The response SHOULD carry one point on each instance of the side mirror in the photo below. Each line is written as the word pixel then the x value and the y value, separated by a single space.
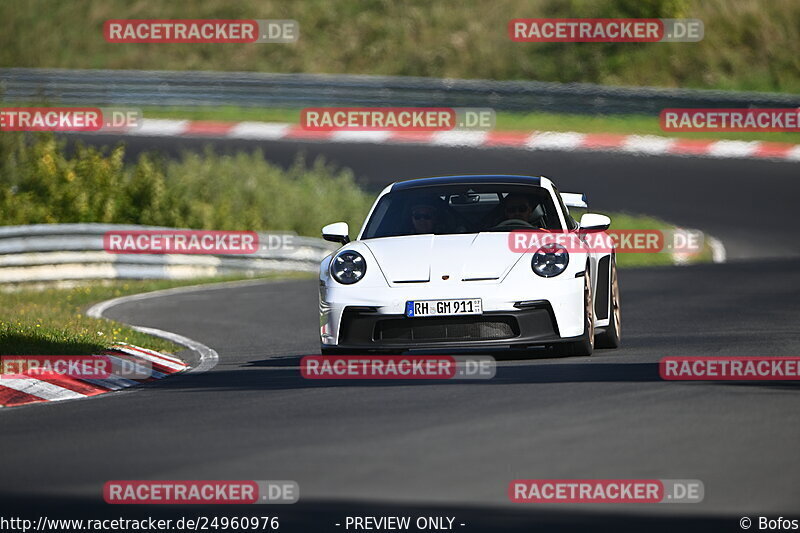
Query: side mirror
pixel 594 221
pixel 336 232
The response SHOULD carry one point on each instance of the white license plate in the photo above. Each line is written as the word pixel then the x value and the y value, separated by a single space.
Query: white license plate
pixel 470 306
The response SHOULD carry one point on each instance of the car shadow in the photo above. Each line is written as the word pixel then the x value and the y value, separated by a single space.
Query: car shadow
pixel 283 372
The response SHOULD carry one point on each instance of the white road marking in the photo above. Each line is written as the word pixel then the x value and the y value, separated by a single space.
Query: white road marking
pixel 208 356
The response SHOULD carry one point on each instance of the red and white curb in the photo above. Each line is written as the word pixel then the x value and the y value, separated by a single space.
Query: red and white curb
pixel 537 140
pixel 22 391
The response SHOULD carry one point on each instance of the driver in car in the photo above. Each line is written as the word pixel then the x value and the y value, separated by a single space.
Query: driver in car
pixel 423 218
pixel 518 207
pixel 519 212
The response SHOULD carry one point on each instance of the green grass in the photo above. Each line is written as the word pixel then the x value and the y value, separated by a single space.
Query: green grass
pixel 527 122
pixel 225 113
pixel 748 44
pixel 53 321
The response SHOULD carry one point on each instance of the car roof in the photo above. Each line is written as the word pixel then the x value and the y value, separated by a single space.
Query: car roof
pixel 504 179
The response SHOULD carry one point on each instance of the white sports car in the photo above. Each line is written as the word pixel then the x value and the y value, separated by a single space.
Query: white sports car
pixel 433 267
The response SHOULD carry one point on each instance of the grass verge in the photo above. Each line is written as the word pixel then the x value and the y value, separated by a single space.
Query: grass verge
pixel 52 321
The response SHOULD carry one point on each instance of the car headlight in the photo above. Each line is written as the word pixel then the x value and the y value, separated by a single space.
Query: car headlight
pixel 348 267
pixel 550 260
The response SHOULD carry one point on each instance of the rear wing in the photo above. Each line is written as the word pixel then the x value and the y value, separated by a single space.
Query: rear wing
pixel 574 199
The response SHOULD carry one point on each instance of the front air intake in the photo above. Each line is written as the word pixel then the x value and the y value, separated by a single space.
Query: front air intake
pixel 446 329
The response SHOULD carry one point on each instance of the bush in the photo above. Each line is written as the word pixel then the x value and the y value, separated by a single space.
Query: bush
pixel 41 183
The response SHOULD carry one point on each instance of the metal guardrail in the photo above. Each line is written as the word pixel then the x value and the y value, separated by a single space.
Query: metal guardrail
pixel 249 89
pixel 58 252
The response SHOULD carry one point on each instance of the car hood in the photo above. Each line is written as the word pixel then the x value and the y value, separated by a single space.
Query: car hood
pixel 427 258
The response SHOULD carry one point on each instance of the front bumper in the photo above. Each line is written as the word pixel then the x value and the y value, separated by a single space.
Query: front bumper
pixel 362 328
pixel 523 309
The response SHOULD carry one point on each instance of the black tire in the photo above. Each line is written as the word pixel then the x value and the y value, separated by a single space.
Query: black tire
pixel 612 334
pixel 585 346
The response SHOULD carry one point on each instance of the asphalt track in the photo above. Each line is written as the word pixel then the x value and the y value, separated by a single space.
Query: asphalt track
pixel 451 448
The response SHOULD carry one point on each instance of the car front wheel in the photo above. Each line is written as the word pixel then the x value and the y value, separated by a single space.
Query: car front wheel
pixel 585 346
pixel 610 337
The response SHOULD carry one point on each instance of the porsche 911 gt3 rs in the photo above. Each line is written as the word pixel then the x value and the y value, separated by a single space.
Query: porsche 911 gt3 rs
pixel 432 267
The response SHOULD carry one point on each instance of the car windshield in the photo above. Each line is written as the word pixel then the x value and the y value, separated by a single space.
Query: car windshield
pixel 458 209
